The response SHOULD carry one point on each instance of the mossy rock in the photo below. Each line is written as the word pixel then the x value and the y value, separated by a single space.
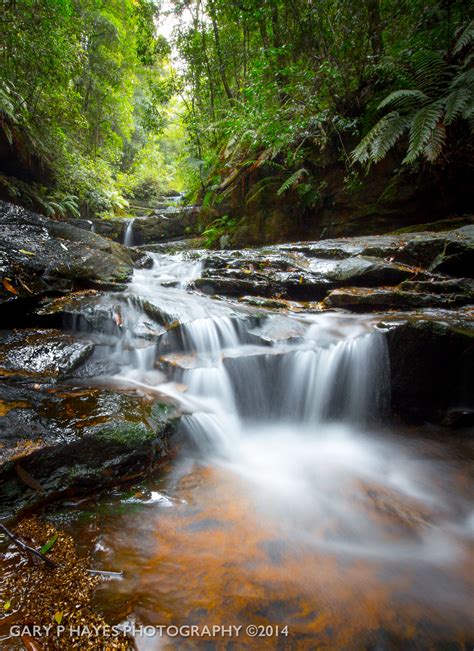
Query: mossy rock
pixel 83 460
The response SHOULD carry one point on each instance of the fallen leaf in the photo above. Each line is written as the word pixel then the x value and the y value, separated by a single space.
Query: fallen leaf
pixel 25 286
pixel 30 643
pixel 7 605
pixel 26 252
pixel 9 287
pixel 48 545
pixel 29 480
pixel 58 616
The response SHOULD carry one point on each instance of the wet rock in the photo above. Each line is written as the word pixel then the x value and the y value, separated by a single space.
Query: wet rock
pixel 41 354
pixel 76 440
pixel 106 314
pixel 363 299
pixel 314 271
pixel 278 329
pixel 39 256
pixel 292 276
pixel 431 362
pixel 447 251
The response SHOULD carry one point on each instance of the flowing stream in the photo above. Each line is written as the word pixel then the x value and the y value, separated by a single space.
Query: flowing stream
pixel 289 502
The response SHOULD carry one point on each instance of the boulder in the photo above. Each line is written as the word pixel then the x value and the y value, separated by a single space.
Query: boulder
pixel 73 441
pixel 40 256
pixel 431 362
pixel 41 354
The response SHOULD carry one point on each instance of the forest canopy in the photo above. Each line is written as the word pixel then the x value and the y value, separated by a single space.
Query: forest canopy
pixel 86 90
pixel 102 108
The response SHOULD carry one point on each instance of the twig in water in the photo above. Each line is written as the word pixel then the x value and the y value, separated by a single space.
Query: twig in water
pixel 26 548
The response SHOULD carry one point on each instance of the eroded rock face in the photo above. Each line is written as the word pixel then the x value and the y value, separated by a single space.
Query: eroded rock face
pixel 431 362
pixel 159 226
pixel 359 273
pixel 40 256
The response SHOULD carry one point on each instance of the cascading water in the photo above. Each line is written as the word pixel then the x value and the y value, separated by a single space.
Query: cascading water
pixel 128 238
pixel 285 463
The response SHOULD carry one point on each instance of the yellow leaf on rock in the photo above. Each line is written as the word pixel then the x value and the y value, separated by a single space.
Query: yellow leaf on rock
pixel 58 616
pixel 7 605
pixel 26 252
pixel 9 287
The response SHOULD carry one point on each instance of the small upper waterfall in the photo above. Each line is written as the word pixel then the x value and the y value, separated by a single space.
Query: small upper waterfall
pixel 128 238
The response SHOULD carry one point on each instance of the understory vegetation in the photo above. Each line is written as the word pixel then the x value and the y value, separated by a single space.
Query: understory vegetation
pixel 98 110
pixel 279 87
pixel 87 115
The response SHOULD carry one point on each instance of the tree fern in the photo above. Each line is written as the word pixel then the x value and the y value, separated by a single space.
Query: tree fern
pixel 422 126
pixel 442 93
pixel 466 38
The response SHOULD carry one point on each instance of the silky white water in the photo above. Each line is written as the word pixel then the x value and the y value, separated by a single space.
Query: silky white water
pixel 292 405
pixel 128 239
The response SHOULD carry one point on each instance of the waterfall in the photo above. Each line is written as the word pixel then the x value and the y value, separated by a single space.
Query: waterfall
pixel 289 403
pixel 307 384
pixel 128 235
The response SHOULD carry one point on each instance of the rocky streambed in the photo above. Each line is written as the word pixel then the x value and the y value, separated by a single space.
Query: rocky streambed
pixel 215 422
pixel 68 425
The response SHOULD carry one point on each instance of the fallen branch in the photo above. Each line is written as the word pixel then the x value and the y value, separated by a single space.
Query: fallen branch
pixel 26 548
pixel 30 550
pixel 105 572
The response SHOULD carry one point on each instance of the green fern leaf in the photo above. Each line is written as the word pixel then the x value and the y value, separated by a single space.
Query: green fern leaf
pixel 463 79
pixel 466 38
pixel 421 129
pixel 381 138
pixel 456 102
pixel 259 187
pixel 435 144
pixel 431 72
pixel 404 98
pixel 291 181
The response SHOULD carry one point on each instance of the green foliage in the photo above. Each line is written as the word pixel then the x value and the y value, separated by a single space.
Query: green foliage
pixel 84 92
pixel 442 93
pixel 286 85
pixel 223 227
pixel 292 180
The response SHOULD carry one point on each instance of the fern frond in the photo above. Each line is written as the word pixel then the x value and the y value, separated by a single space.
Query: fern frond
pixel 466 38
pixel 465 79
pixel 431 72
pixel 381 138
pixel 456 102
pixel 403 98
pixel 259 187
pixel 436 141
pixel 421 129
pixel 292 180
